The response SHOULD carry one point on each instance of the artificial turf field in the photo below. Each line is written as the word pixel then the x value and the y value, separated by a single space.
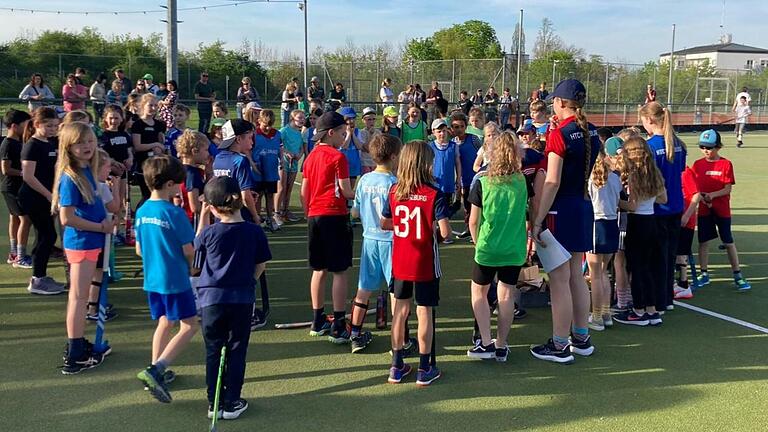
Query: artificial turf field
pixel 694 373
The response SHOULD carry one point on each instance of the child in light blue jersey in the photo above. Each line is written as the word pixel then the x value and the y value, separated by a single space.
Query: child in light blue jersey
pixel 371 196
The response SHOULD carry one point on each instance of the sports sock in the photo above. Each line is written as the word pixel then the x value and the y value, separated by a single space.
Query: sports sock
pixel 560 342
pixel 161 365
pixel 318 318
pixel 737 275
pixel 76 347
pixel 21 250
pixel 14 246
pixel 424 361
pixel 356 330
pixel 339 320
pixel 397 358
pixel 580 333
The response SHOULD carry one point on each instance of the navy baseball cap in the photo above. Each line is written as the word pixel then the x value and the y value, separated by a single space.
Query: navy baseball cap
pixel 329 120
pixel 710 138
pixel 221 191
pixel 526 128
pixel 571 89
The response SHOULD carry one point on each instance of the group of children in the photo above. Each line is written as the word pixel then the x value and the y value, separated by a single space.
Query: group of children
pixel 610 201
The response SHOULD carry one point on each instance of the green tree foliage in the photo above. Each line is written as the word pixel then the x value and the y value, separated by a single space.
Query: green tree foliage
pixel 421 49
pixel 472 39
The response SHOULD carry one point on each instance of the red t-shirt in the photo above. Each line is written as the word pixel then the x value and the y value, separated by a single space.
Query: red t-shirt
pixel 323 169
pixel 711 177
pixel 689 190
pixel 414 246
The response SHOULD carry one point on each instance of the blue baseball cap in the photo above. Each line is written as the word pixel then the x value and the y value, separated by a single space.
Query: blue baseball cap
pixel 710 138
pixel 526 128
pixel 348 112
pixel 613 145
pixel 571 89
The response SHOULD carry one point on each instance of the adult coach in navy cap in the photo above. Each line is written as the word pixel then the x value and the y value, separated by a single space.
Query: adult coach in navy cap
pixel 565 209
pixel 325 190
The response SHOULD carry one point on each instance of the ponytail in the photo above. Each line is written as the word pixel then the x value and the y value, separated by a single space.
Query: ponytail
pixel 38 116
pixel 29 130
pixel 581 120
pixel 669 135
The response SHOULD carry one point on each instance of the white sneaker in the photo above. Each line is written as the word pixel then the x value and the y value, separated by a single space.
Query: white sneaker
pixel 684 294
pixel 596 324
pixel 607 321
pixel 277 219
pixel 677 288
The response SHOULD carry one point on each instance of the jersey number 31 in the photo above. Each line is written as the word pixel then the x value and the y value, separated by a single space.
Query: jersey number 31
pixel 404 217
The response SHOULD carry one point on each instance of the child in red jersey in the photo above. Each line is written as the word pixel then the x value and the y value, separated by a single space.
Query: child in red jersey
pixel 714 178
pixel 691 199
pixel 416 208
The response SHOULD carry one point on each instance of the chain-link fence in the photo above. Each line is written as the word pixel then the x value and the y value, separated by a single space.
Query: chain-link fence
pixel 613 89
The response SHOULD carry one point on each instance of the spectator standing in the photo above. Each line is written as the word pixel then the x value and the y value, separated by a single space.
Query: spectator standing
pixel 245 94
pixel 116 94
pixel 404 98
pixel 125 81
pixel 542 92
pixel 74 94
pixel 80 76
pixel 98 94
pixel 491 103
pixel 650 94
pixel 36 93
pixel 289 103
pixel 149 84
pixel 506 103
pixel 168 104
pixel 386 94
pixel 205 97
pixel 315 91
pixel 434 99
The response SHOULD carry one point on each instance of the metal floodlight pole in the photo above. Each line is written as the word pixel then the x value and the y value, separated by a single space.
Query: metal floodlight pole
pixel 519 55
pixel 172 40
pixel 554 67
pixel 671 68
pixel 303 7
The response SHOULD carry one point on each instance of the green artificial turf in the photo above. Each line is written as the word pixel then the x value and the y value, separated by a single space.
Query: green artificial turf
pixel 694 373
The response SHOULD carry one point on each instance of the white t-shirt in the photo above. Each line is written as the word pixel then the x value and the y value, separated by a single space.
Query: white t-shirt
pixel 746 95
pixel 742 112
pixel 386 95
pixel 104 192
pixel 605 200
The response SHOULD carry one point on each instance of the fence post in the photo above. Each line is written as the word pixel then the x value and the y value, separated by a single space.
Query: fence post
pixel 605 95
pixel 624 121
pixel 378 80
pixel 60 73
pixel 191 91
pixel 503 70
pixel 453 80
pixel 586 87
pixel 226 94
pixel 351 80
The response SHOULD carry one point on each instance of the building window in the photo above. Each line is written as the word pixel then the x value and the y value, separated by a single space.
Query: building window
pixel 763 63
pixel 680 64
pixel 750 64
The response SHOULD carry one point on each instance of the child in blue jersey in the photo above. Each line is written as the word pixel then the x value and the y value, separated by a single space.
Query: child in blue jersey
pixel 371 196
pixel 268 151
pixel 293 150
pixel 446 168
pixel 180 116
pixel 164 239
pixel 237 140
pixel 235 253
pixel 468 146
pixel 670 153
pixel 85 222
pixel 352 144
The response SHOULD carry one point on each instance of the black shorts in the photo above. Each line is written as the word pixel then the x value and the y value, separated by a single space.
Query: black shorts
pixel 711 225
pixel 330 243
pixel 427 293
pixel 269 187
pixel 12 202
pixel 685 242
pixel 605 236
pixel 484 275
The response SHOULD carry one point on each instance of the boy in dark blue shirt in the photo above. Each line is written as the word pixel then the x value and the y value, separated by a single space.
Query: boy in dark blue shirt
pixel 235 254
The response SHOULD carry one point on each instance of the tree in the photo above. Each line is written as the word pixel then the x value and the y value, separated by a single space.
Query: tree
pixel 546 40
pixel 472 39
pixel 518 36
pixel 421 49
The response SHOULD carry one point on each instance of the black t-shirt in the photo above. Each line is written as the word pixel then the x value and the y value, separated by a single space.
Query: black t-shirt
pixel 465 105
pixel 10 150
pixel 116 144
pixel 204 90
pixel 149 134
pixel 44 154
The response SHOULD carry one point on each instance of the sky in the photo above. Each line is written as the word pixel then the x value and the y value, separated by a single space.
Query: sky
pixel 620 30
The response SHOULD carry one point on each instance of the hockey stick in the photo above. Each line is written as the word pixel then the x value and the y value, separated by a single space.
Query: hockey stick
pixel 217 394
pixel 694 284
pixel 100 345
pixel 302 324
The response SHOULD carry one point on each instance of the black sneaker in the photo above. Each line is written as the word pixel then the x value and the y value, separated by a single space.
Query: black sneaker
pixel 361 341
pixel 629 317
pixel 155 384
pixel 109 316
pixel 233 410
pixel 464 234
pixel 88 360
pixel 339 336
pixel 739 144
pixel 582 348
pixel 654 319
pixel 219 413
pixel 549 352
pixel 520 313
pixel 481 351
pixel 502 354
pixel 259 319
pixel 89 347
pixel 168 377
pixel 410 348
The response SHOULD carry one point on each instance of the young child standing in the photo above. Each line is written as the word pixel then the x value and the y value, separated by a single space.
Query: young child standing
pixel 691 199
pixel 148 137
pixel 446 168
pixel 325 190
pixel 498 228
pixel 180 117
pixel 38 170
pixel 389 124
pixel 366 135
pixel 18 221
pixel 192 148
pixel 467 146
pixel 714 179
pixel 371 197
pixel 267 154
pixel 164 239
pixel 604 190
pixel 476 122
pixel 415 207
pixel 85 222
pixel 413 127
pixel 646 188
pixel 235 253
pixel 743 111
pixel 293 150
pixel 352 145
pixel 117 143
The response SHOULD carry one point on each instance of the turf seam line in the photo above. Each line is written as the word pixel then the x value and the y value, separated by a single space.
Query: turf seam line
pixel 730 319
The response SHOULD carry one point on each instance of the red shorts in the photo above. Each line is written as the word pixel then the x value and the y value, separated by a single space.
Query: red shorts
pixel 78 256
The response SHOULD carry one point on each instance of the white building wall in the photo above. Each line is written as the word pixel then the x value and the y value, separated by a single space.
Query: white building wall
pixel 728 60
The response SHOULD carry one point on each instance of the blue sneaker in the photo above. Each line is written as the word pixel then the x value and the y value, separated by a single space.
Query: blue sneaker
pixel 427 377
pixel 396 375
pixel 116 276
pixel 703 279
pixel 742 284
pixel 322 331
pixel 339 337
pixel 155 384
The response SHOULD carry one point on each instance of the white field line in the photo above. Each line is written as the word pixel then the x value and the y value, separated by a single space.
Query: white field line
pixel 722 317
